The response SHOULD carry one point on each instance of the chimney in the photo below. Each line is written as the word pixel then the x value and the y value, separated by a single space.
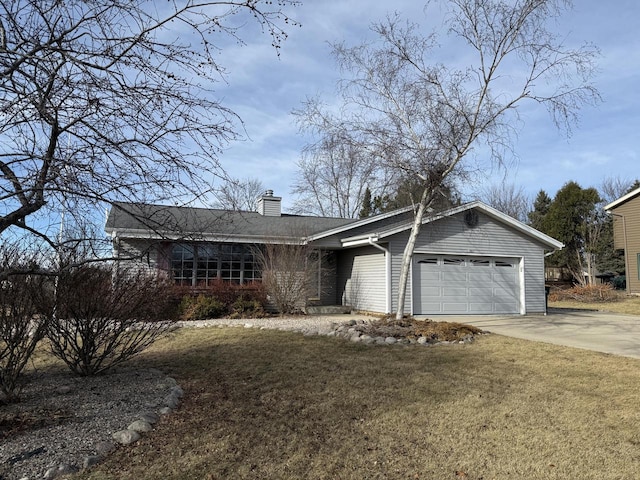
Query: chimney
pixel 268 205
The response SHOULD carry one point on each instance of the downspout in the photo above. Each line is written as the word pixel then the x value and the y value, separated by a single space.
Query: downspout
pixel 387 280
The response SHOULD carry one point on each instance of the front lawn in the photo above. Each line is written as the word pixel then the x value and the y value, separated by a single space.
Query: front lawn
pixel 279 405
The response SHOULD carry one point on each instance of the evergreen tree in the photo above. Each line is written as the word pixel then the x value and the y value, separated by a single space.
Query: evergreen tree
pixel 540 209
pixel 573 219
pixel 367 204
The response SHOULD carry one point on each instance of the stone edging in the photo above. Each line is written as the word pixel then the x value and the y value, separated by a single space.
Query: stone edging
pixel 144 423
pixel 352 330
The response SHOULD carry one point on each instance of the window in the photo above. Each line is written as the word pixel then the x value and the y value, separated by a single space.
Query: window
pixel 502 263
pixel 201 264
pixel 479 262
pixel 453 261
pixel 429 260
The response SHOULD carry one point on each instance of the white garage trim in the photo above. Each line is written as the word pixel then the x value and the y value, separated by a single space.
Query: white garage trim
pixel 467 284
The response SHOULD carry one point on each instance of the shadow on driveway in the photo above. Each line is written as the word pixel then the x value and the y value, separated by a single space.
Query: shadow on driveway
pixel 592 330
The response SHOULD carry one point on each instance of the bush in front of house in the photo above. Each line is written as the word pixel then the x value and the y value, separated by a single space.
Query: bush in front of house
pixel 103 317
pixel 201 307
pixel 223 299
pixel 22 326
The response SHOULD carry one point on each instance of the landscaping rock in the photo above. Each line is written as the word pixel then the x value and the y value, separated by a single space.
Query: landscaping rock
pixel 59 470
pixel 104 448
pixel 366 339
pixel 150 417
pixel 126 437
pixel 355 337
pixel 422 340
pixel 165 410
pixel 177 391
pixel 91 460
pixel 140 426
pixel 390 340
pixel 171 401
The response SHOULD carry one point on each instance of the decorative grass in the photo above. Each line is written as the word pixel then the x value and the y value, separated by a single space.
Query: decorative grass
pixel 276 405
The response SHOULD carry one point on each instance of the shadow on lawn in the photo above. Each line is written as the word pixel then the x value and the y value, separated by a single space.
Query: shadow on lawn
pixel 268 404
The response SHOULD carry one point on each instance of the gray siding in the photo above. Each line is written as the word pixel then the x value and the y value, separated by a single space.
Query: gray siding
pixel 141 256
pixel 323 281
pixel 451 235
pixel 361 279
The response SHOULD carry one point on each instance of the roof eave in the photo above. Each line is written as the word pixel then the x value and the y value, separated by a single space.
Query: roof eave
pixel 358 223
pixel 492 212
pixel 623 199
pixel 142 234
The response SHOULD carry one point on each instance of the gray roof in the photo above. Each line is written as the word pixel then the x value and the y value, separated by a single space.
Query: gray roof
pixel 161 221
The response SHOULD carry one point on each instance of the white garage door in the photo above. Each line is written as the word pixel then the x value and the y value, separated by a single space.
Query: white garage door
pixel 465 285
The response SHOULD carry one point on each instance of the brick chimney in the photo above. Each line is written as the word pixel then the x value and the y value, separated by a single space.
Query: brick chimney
pixel 268 205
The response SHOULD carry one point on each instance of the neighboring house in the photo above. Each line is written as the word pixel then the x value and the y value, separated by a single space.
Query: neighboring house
pixel 626 235
pixel 470 259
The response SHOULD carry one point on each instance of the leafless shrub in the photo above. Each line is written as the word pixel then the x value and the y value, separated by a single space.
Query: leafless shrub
pixel 589 294
pixel 22 326
pixel 287 274
pixel 104 319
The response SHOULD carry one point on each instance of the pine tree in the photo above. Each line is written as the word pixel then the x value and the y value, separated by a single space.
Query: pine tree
pixel 366 210
pixel 540 209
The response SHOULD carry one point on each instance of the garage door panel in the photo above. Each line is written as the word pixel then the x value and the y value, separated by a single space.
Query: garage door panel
pixel 454 276
pixel 454 292
pixel 455 308
pixel 467 286
pixel 480 308
pixel 480 292
pixel 475 277
pixel 426 276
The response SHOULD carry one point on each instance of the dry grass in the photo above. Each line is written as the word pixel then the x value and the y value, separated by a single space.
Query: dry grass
pixel 629 305
pixel 278 405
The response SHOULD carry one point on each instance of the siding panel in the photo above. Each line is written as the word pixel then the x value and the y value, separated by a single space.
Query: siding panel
pixel 361 279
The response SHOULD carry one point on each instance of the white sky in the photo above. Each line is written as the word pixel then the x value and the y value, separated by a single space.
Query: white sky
pixel 263 89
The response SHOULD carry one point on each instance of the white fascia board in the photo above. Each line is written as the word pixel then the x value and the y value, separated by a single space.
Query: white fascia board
pixel 358 241
pixel 359 223
pixel 140 234
pixel 622 199
pixel 490 211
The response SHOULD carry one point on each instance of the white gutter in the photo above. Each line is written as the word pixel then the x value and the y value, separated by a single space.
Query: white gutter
pixel 387 280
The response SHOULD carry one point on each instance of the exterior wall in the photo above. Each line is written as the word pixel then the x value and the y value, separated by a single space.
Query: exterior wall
pixel 361 279
pixel 488 238
pixel 324 281
pixel 630 210
pixel 146 256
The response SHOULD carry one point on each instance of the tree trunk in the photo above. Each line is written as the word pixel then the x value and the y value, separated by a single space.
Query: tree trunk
pixel 408 252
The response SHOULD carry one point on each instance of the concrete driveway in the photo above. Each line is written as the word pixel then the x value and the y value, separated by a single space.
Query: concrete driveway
pixel 598 331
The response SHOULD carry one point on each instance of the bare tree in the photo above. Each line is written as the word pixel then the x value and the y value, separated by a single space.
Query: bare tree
pixel 106 100
pixel 425 118
pixel 509 199
pixel 612 188
pixel 239 194
pixel 335 169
